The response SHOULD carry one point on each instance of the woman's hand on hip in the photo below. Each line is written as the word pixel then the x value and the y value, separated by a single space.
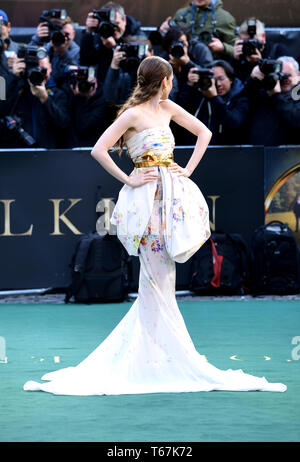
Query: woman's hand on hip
pixel 175 168
pixel 142 176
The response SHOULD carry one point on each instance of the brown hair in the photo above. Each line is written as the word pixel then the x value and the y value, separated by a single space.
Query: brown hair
pixel 150 74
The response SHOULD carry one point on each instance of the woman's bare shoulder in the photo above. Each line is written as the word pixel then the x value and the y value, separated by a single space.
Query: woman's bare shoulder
pixel 170 106
pixel 131 114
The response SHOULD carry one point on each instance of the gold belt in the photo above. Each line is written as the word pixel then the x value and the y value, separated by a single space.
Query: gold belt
pixel 150 159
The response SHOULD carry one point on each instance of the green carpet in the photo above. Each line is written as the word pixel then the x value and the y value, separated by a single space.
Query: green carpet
pixel 253 335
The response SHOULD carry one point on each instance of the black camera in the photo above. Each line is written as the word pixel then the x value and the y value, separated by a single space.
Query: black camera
pixel 53 19
pixel 272 71
pixel 177 49
pixel 81 76
pixel 251 45
pixel 31 56
pixel 206 76
pixel 106 20
pixel 135 53
pixel 13 124
pixel 206 37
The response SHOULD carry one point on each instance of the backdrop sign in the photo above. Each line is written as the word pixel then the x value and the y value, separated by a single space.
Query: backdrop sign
pixel 48 200
pixel 282 186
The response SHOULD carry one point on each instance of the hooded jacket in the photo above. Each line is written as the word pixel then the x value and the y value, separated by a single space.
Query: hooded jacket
pixel 225 24
pixel 226 116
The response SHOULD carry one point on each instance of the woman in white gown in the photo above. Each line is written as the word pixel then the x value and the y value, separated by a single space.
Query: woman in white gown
pixel 161 217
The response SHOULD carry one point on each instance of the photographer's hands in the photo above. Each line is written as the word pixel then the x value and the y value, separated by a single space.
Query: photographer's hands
pixel 193 78
pixel 39 91
pixel 42 30
pixel 257 74
pixel 238 53
pixel 216 46
pixel 118 56
pixel 18 66
pixel 91 22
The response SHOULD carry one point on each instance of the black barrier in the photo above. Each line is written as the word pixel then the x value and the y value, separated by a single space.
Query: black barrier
pixel 48 199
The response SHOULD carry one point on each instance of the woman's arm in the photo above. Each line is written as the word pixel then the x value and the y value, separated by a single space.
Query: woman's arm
pixel 197 128
pixel 108 139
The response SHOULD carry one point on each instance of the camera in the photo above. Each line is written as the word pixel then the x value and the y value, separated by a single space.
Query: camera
pixel 206 76
pixel 31 56
pixel 106 20
pixel 177 49
pixel 14 124
pixel 206 37
pixel 53 18
pixel 251 45
pixel 272 70
pixel 81 77
pixel 135 53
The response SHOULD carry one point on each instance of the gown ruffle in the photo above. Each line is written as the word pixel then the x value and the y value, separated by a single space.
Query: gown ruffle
pixel 150 350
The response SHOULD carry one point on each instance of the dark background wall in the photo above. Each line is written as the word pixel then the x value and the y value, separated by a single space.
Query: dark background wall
pixel 274 13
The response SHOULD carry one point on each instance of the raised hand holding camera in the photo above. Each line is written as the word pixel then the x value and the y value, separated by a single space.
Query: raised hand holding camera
pixel 18 66
pixel 118 56
pixel 216 46
pixel 39 91
pixel 203 78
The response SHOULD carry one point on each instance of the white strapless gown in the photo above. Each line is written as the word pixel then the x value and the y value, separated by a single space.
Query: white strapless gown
pixel 150 350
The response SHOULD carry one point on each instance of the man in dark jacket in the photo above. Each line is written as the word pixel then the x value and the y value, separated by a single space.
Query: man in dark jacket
pixel 207 21
pixel 9 47
pixel 97 50
pixel 43 109
pixel 246 56
pixel 62 55
pixel 223 107
pixel 275 113
pixel 91 115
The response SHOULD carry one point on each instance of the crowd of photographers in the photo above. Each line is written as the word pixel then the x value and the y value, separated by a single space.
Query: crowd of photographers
pixel 63 90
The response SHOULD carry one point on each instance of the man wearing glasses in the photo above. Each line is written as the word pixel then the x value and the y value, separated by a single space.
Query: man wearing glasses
pixel 219 101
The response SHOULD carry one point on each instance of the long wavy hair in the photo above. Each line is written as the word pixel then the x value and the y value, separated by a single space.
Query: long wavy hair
pixel 151 71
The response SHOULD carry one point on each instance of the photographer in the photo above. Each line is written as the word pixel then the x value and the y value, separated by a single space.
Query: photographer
pixel 275 105
pixel 180 51
pixel 208 22
pixel 217 98
pixel 121 76
pixel 90 113
pixel 251 47
pixel 8 48
pixel 34 104
pixel 105 29
pixel 57 33
pixel 183 55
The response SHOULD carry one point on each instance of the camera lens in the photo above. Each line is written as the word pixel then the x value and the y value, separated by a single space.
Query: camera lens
pixel 58 39
pixel 37 76
pixel 85 86
pixel 41 53
pixel 106 30
pixel 177 50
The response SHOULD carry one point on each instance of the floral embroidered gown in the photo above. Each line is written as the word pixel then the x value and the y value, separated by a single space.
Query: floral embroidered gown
pixel 150 350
